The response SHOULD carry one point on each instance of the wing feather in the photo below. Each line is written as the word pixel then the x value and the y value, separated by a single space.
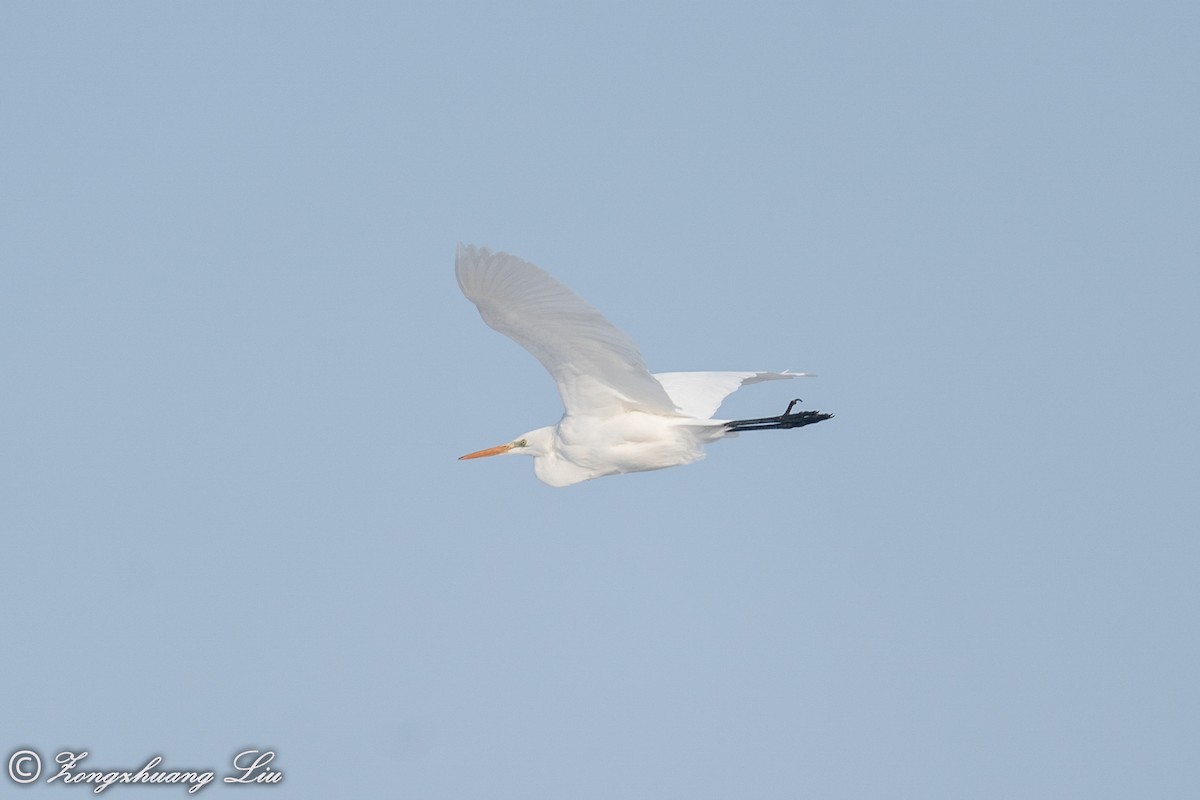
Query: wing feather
pixel 596 367
pixel 700 394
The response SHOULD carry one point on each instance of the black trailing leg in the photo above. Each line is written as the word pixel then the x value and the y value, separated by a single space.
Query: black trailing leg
pixel 782 422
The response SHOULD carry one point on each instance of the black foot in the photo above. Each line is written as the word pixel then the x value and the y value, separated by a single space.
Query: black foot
pixel 782 422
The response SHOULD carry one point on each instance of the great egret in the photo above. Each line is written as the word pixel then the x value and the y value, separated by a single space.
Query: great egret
pixel 619 418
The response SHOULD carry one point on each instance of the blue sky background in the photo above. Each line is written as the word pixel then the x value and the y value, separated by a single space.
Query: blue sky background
pixel 237 372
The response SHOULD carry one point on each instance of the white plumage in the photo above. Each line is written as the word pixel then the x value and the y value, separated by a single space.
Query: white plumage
pixel 618 417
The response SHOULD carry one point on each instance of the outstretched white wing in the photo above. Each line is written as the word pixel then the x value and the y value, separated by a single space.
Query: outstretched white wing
pixel 598 368
pixel 699 394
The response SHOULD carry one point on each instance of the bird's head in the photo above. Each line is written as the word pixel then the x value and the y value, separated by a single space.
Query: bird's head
pixel 534 443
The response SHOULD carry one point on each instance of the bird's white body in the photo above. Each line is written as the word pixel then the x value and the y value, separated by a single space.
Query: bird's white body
pixel 581 447
pixel 619 417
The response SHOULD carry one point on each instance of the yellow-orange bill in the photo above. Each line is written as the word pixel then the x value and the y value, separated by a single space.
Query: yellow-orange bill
pixel 491 451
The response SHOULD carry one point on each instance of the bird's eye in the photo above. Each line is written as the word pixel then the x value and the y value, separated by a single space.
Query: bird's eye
pixel 522 443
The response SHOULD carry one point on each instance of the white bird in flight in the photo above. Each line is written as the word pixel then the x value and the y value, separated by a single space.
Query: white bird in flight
pixel 619 417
